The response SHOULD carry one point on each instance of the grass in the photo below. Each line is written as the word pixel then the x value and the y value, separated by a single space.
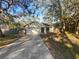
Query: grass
pixel 63 50
pixel 59 50
pixel 7 40
pixel 75 41
pixel 72 38
pixel 77 56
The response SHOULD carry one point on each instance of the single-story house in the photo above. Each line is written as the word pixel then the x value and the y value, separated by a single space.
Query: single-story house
pixel 46 28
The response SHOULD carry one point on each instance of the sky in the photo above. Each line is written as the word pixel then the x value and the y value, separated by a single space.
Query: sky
pixel 4 5
pixel 36 8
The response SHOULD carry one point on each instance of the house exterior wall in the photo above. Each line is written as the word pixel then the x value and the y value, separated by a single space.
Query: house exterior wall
pixel 51 29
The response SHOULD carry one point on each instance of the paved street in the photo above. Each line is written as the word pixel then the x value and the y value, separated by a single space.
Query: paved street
pixel 32 49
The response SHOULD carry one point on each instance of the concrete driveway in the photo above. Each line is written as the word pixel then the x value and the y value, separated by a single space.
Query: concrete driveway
pixel 32 49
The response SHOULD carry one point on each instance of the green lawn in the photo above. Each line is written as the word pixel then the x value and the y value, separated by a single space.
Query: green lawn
pixel 7 40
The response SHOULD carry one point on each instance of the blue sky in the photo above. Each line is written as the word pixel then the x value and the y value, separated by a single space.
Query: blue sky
pixel 4 5
pixel 15 10
pixel 18 8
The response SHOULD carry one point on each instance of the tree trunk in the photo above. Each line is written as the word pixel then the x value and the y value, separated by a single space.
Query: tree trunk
pixel 1 33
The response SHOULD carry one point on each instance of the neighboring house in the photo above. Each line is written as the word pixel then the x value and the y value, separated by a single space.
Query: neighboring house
pixel 32 28
pixel 47 28
pixel 39 28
